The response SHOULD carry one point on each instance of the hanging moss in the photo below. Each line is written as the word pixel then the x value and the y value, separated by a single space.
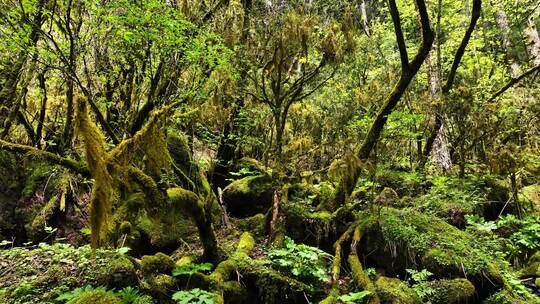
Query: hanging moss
pixel 103 191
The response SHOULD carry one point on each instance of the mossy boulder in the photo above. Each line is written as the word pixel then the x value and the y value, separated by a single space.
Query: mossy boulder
pixel 454 291
pixel 397 239
pixel 146 230
pixel 395 291
pixel 387 197
pixel 121 273
pixel 161 284
pixel 98 296
pixel 530 196
pixel 404 183
pixel 248 196
pixel 506 296
pixel 255 224
pixel 155 264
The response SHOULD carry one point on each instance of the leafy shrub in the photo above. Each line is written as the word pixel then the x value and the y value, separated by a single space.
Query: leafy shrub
pixel 302 261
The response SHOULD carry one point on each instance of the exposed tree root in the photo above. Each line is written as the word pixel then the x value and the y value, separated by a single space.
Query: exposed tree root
pixel 357 271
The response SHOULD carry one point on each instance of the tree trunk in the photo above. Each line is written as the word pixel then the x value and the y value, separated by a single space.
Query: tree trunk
pixel 42 111
pixel 511 57
pixel 532 39
pixel 438 134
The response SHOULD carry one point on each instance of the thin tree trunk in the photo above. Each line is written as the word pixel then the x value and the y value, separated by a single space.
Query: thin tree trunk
pixel 532 39
pixel 511 58
pixel 42 111
pixel 442 140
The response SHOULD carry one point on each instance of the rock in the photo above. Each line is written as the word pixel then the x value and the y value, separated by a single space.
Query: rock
pixel 395 291
pixel 454 291
pixel 399 238
pixel 387 197
pixel 248 196
pixel 155 264
pixel 98 297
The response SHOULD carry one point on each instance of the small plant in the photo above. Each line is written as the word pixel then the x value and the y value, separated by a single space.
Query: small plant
pixel 193 296
pixel 479 224
pixel 191 269
pixel 71 296
pixel 371 273
pixel 355 297
pixel 302 261
pixel 418 281
pixel 128 295
pixel 419 276
pixel 525 235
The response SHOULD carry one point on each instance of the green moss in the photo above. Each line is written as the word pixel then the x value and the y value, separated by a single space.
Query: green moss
pixel 404 183
pixel 530 195
pixel 255 224
pixel 532 266
pixel 163 283
pixel 158 263
pixel 394 291
pixel 248 196
pixel 239 260
pixel 98 297
pixel 144 300
pixel 41 219
pixel 507 297
pixel 55 269
pixel 406 237
pixel 234 292
pixel 451 291
pixel 273 287
pixel 121 266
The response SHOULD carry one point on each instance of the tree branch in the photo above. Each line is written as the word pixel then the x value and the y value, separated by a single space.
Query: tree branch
pixel 513 82
pixel 53 158
pixel 475 15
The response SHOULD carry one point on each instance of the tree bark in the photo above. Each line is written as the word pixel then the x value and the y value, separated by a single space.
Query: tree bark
pixel 438 128
pixel 42 111
pixel 532 39
pixel 511 58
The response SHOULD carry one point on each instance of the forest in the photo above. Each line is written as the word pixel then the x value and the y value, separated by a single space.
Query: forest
pixel 269 151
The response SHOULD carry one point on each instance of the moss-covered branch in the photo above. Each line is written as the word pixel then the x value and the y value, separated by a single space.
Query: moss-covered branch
pixel 73 165
pixel 190 203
